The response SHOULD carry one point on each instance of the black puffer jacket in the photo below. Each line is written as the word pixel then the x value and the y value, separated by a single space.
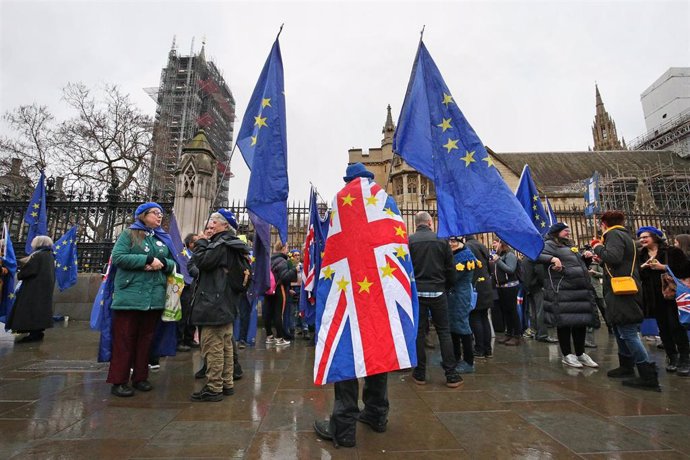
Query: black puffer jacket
pixel 568 294
pixel 283 270
pixel 215 302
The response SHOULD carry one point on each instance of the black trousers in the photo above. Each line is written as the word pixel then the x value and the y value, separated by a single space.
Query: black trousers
pixel 507 298
pixel 673 335
pixel 481 328
pixel 343 423
pixel 577 333
pixel 438 307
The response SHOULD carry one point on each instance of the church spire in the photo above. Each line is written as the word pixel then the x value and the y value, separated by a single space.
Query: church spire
pixel 388 129
pixel 604 128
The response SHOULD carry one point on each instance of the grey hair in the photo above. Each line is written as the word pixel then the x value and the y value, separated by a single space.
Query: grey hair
pixel 218 217
pixel 422 218
pixel 40 241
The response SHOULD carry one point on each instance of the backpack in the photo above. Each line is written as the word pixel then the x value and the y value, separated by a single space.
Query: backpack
pixel 239 271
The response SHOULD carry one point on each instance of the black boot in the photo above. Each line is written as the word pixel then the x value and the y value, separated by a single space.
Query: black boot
pixel 683 365
pixel 648 379
pixel 201 373
pixel 672 365
pixel 626 368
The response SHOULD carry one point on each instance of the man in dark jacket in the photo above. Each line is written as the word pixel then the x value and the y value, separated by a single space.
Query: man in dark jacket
pixel 533 275
pixel 224 275
pixel 434 273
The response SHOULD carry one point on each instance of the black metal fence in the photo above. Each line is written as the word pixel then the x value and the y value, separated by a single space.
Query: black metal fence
pixel 100 222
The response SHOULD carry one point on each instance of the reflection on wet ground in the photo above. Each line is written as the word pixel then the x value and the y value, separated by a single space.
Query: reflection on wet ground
pixel 523 403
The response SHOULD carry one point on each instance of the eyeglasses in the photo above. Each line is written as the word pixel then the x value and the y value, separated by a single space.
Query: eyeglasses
pixel 156 213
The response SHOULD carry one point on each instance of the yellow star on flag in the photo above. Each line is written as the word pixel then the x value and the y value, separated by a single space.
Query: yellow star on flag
pixel 254 140
pixel 536 217
pixel 57 264
pixel 534 207
pixel 328 272
pixel 372 200
pixel 390 212
pixel 322 254
pixel 258 121
pixel 447 99
pixel 34 214
pixel 489 161
pixel 347 200
pixel 451 144
pixel 332 215
pixel 400 252
pixel 364 285
pixel 535 198
pixel 468 158
pixel 36 205
pixel 266 102
pixel 399 231
pixel 65 268
pixel 57 248
pixel 11 295
pixel 342 284
pixel 543 224
pixel 387 270
pixel 445 124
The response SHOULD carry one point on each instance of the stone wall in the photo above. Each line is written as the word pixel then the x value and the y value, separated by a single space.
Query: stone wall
pixel 76 301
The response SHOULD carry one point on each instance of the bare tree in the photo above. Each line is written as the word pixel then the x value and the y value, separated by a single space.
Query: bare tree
pixel 33 141
pixel 108 142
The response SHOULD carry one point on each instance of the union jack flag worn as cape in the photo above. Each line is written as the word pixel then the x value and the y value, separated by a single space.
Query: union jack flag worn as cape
pixel 366 303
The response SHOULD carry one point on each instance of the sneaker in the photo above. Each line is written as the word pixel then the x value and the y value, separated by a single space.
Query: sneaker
pixel 241 344
pixel 464 368
pixel 207 395
pixel 571 360
pixel 155 367
pixel 453 381
pixel 270 340
pixel 586 360
pixel 282 342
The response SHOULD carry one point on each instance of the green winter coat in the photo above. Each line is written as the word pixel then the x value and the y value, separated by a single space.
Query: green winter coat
pixel 135 288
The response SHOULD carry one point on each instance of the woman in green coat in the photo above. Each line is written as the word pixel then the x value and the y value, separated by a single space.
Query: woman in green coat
pixel 142 260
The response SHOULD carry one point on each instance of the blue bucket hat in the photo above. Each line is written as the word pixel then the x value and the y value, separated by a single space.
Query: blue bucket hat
pixel 650 229
pixel 142 208
pixel 228 217
pixel 356 170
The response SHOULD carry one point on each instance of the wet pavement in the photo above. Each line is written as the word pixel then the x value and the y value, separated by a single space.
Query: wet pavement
pixel 523 403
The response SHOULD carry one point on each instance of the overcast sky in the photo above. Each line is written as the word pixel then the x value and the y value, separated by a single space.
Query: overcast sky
pixel 523 72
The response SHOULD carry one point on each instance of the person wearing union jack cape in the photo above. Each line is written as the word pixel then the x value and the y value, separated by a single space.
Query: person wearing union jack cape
pixel 366 306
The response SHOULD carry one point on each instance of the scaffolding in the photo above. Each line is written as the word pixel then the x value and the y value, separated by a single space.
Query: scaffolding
pixel 192 95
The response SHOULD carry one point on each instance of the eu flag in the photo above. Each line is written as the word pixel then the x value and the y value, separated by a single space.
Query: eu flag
pixel 9 263
pixel 180 250
pixel 36 216
pixel 552 215
pixel 263 143
pixel 528 196
pixel 66 259
pixel 434 137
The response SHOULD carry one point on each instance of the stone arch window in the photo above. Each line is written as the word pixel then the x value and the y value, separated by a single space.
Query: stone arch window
pixel 189 177
pixel 411 184
pixel 398 186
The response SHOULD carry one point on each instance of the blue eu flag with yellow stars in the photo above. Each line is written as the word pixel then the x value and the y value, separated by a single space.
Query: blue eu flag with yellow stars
pixel 66 259
pixel 434 137
pixel 263 142
pixel 528 196
pixel 36 216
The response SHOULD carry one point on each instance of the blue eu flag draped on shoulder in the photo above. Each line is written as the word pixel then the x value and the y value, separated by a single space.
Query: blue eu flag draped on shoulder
pixel 36 216
pixel 434 137
pixel 9 264
pixel 528 196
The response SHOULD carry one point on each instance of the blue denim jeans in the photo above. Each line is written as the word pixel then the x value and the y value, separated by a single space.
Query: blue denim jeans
pixel 630 343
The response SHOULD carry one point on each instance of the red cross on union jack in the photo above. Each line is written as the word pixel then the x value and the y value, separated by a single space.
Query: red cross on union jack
pixel 366 291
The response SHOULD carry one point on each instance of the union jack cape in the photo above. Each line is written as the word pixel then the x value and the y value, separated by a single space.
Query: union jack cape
pixel 366 303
